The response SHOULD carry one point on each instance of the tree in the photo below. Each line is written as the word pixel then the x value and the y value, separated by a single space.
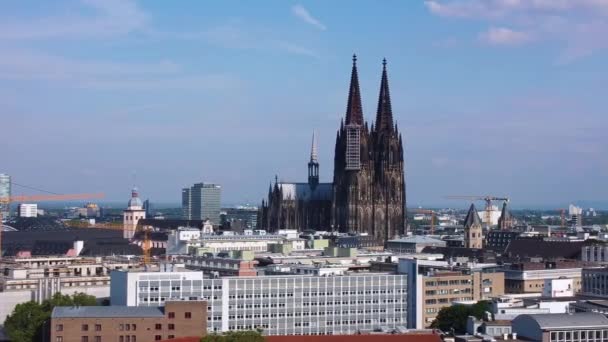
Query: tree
pixel 455 316
pixel 236 336
pixel 26 322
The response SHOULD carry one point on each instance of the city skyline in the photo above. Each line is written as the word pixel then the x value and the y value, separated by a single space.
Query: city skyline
pixel 495 98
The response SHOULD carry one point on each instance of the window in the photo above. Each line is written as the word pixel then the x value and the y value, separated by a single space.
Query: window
pixel 188 315
pixel 133 338
pixel 59 327
pixel 157 338
pixel 171 336
pixel 121 339
pixel 133 327
pixel 84 339
pixel 121 327
pixel 171 326
pixel 85 327
pixel 58 338
pixel 171 314
pixel 97 338
pixel 97 327
pixel 158 326
pixel 127 327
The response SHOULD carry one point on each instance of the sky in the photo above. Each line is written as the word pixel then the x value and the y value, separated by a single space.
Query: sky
pixel 494 97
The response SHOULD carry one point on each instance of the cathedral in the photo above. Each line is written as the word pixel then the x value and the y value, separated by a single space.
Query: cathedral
pixel 368 190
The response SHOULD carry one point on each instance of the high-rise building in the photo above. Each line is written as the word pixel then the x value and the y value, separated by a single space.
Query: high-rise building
pixel 148 208
pixel 201 202
pixel 5 192
pixel 368 190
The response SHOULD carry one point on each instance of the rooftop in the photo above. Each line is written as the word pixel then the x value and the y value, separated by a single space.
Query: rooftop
pixel 564 321
pixel 107 312
pixel 417 239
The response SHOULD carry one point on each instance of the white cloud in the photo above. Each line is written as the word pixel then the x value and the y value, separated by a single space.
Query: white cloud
pixel 302 13
pixel 109 18
pixel 574 25
pixel 504 36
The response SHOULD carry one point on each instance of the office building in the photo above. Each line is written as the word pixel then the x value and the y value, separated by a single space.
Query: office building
pixel 562 327
pixel 434 285
pixel 5 193
pixel 241 218
pixel 576 215
pixel 201 202
pixel 128 323
pixel 529 277
pixel 595 282
pixel 280 305
pixel 27 210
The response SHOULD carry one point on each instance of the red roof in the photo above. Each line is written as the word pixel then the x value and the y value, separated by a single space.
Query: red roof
pixel 357 338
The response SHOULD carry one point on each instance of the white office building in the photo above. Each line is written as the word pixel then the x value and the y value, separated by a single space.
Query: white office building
pixel 27 210
pixel 280 305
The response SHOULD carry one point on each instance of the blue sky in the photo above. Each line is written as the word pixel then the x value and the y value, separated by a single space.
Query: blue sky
pixel 502 97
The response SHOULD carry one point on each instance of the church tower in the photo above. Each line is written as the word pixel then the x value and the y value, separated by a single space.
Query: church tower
pixel 473 232
pixel 388 183
pixel 352 196
pixel 132 215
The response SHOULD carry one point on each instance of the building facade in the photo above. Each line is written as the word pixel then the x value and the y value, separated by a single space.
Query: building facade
pixel 473 231
pixel 201 202
pixel 368 190
pixel 128 324
pixel 576 327
pixel 280 305
pixel 595 282
pixel 530 277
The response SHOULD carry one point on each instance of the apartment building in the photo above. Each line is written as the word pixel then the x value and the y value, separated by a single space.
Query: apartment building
pixel 433 285
pixel 128 324
pixel 280 305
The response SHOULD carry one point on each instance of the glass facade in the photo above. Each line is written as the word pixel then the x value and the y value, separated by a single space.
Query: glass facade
pixel 202 201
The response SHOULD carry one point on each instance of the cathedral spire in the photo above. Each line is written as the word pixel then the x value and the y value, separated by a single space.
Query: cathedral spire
pixel 384 115
pixel 354 111
pixel 313 149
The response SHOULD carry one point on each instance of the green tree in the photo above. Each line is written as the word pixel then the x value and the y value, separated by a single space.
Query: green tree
pixel 26 322
pixel 236 336
pixel 455 317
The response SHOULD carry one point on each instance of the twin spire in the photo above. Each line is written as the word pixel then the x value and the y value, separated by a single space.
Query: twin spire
pixel 314 155
pixel 354 109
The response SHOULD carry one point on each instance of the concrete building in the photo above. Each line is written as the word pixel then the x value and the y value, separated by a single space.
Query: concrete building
pixel 433 285
pixel 132 215
pixel 211 265
pixel 597 253
pixel 529 277
pixel 128 324
pixel 473 231
pixel 576 215
pixel 241 218
pixel 280 305
pixel 562 327
pixel 27 210
pixel 413 244
pixel 5 192
pixel 39 278
pixel 202 201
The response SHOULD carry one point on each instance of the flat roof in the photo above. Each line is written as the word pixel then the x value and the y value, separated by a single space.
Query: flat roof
pixel 107 312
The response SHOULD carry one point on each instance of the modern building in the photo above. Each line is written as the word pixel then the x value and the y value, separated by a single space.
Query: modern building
pixel 242 218
pixel 128 323
pixel 5 192
pixel 148 208
pixel 434 285
pixel 597 253
pixel 576 215
pixel 201 202
pixel 413 244
pixel 498 240
pixel 132 214
pixel 280 305
pixel 530 277
pixel 562 327
pixel 27 210
pixel 367 194
pixel 595 282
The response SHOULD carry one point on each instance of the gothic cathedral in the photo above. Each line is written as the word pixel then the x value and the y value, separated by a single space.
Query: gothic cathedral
pixel 368 190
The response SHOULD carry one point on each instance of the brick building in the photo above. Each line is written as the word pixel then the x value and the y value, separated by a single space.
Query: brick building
pixel 128 324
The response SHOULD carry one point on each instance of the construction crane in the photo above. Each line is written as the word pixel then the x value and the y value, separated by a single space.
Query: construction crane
pixel 6 201
pixel 433 214
pixel 487 199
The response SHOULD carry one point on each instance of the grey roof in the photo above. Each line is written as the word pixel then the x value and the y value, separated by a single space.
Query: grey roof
pixel 565 321
pixel 472 217
pixel 106 311
pixel 418 239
